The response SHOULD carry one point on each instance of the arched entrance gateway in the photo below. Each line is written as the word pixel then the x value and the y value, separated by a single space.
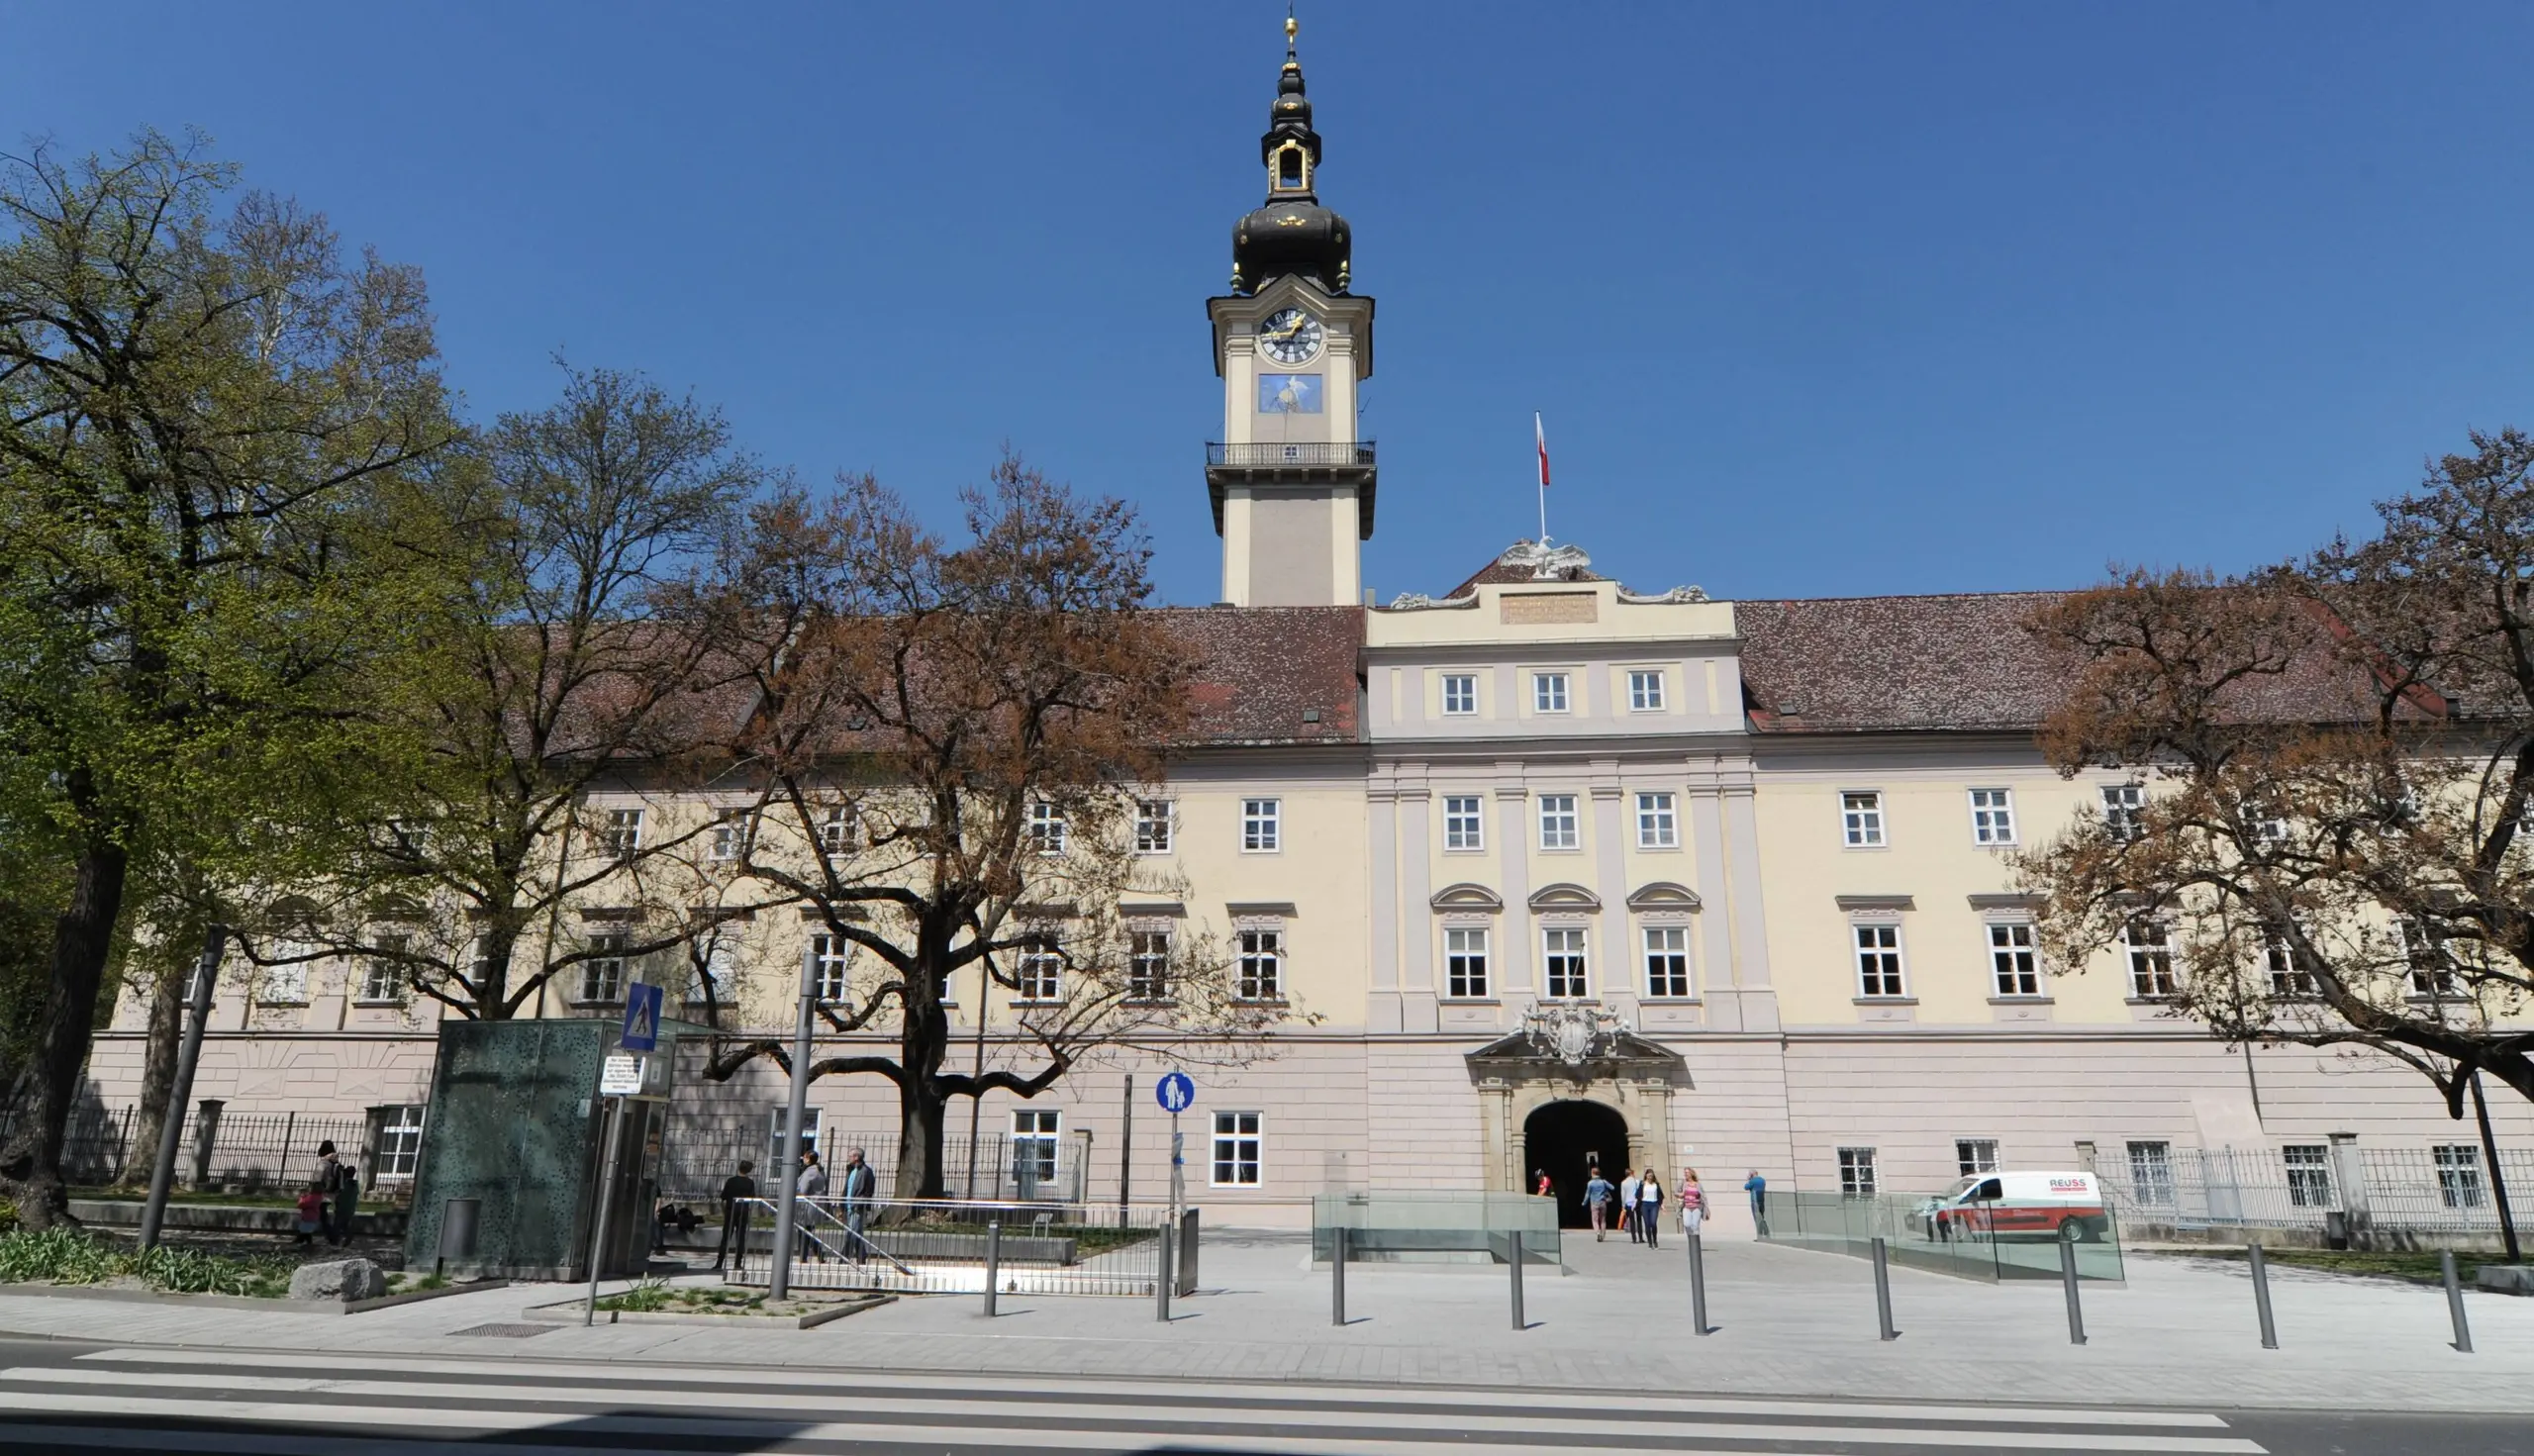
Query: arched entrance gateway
pixel 1567 1139
pixel 1575 1083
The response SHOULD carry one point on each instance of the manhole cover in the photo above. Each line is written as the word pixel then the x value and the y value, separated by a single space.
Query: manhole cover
pixel 505 1331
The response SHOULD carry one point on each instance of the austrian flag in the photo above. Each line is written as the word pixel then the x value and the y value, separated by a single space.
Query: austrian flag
pixel 1539 437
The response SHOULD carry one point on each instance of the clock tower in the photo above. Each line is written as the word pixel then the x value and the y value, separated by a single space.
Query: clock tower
pixel 1292 477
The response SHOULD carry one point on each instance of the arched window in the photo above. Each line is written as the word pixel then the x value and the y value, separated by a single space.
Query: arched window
pixel 1293 167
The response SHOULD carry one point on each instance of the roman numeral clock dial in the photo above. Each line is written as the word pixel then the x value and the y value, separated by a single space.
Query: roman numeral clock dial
pixel 1290 336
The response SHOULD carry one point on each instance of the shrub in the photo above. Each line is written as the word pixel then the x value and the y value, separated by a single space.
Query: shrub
pixel 8 1216
pixel 60 1254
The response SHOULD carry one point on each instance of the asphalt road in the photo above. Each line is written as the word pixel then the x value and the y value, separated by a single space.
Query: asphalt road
pixel 61 1397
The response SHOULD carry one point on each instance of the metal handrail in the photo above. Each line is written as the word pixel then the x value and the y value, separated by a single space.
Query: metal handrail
pixel 1297 452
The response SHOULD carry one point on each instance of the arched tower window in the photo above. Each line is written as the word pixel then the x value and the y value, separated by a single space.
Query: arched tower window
pixel 1293 168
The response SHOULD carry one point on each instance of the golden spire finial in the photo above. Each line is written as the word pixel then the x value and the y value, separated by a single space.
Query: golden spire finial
pixel 1293 28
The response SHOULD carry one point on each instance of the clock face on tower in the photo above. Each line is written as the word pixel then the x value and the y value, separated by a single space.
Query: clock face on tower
pixel 1290 336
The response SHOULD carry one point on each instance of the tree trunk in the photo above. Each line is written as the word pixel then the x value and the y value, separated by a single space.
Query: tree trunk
pixel 920 1113
pixel 31 1163
pixel 157 1076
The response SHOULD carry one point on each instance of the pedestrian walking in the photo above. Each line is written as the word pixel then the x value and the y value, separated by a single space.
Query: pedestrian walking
pixel 1540 1186
pixel 1692 1203
pixel 1597 1201
pixel 341 1185
pixel 813 1186
pixel 311 1212
pixel 861 1185
pixel 735 1190
pixel 1649 1208
pixel 1628 1206
pixel 1758 1188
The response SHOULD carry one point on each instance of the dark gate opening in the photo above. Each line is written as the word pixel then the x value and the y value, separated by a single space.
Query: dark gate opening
pixel 1566 1140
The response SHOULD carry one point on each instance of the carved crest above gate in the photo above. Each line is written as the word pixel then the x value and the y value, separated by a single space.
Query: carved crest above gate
pixel 1571 1042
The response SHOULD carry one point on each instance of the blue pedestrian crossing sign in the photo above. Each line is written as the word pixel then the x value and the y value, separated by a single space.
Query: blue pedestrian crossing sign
pixel 641 1018
pixel 1176 1092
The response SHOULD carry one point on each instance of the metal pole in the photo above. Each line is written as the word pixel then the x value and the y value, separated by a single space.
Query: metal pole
pixel 976 1100
pixel 2455 1302
pixel 171 1127
pixel 289 1129
pixel 1698 1286
pixel 1161 1283
pixel 1883 1290
pixel 1178 1170
pixel 606 1197
pixel 1126 1151
pixel 1515 1239
pixel 994 1261
pixel 1337 1276
pixel 2068 1278
pixel 779 1276
pixel 2261 1296
pixel 2499 1177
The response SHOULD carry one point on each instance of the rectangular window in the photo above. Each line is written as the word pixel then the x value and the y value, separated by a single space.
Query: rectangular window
pixel 382 975
pixel 1039 968
pixel 1465 963
pixel 2151 1173
pixel 835 955
pixel 836 830
pixel 2459 1176
pixel 2432 968
pixel 1993 816
pixel 2124 806
pixel 1972 1156
pixel 719 973
pixel 603 974
pixel 1562 963
pixel 1645 690
pixel 2150 950
pixel 1856 1173
pixel 1236 1143
pixel 1047 829
pixel 2012 961
pixel 1033 1149
pixel 621 838
pixel 1148 965
pixel 1861 819
pixel 2309 1175
pixel 1460 695
pixel 1878 958
pixel 399 1143
pixel 1657 825
pixel 1464 826
pixel 1261 830
pixel 1667 961
pixel 732 830
pixel 1549 692
pixel 1261 973
pixel 1152 826
pixel 1560 826
pixel 2292 975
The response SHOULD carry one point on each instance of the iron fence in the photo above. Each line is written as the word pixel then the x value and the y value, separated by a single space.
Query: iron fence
pixel 217 1150
pixel 703 1150
pixel 96 1141
pixel 2440 1192
pixel 941 1247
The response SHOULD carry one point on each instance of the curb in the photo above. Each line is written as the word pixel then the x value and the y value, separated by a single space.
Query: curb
pixel 566 1312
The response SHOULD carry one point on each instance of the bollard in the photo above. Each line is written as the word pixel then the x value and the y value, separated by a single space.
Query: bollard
pixel 1337 1276
pixel 2261 1296
pixel 1161 1283
pixel 994 1262
pixel 1698 1288
pixel 1516 1261
pixel 2068 1277
pixel 2455 1302
pixel 1883 1290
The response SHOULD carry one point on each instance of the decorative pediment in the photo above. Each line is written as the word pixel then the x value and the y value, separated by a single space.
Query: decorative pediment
pixel 1564 896
pixel 1466 897
pixel 1573 1040
pixel 1663 894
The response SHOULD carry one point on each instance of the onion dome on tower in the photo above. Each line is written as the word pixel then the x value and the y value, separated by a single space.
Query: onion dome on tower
pixel 1291 234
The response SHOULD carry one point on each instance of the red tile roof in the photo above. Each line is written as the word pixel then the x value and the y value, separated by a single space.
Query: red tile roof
pixel 1275 674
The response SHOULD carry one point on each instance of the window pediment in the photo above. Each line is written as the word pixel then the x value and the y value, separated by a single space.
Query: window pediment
pixel 1564 896
pixel 1466 897
pixel 1664 895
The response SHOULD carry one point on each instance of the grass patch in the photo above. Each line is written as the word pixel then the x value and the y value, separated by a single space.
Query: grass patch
pixel 657 1296
pixel 2410 1264
pixel 64 1256
pixel 402 1283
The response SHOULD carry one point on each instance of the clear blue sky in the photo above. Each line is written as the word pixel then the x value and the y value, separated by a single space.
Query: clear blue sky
pixel 1818 300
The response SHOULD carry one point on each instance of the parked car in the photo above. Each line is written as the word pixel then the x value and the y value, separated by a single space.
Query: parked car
pixel 2062 1206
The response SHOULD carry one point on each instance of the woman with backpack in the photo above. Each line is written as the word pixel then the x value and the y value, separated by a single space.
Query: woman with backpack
pixel 342 1186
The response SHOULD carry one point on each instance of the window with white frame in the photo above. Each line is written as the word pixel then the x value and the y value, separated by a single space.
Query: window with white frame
pixel 1148 963
pixel 1464 822
pixel 1993 815
pixel 2015 964
pixel 622 835
pixel 1236 1146
pixel 2124 807
pixel 731 828
pixel 1039 968
pixel 1046 827
pixel 2148 945
pixel 2432 966
pixel 1878 946
pixel 1261 826
pixel 1861 819
pixel 1033 1148
pixel 1152 826
pixel 1460 695
pixel 1549 692
pixel 479 960
pixel 399 1143
pixel 382 972
pixel 1465 963
pixel 2309 1174
pixel 1972 1156
pixel 1856 1173
pixel 2291 972
pixel 1260 972
pixel 603 974
pixel 2459 1176
pixel 1658 824
pixel 1645 690
pixel 1564 975
pixel 836 830
pixel 831 957
pixel 1560 824
pixel 1667 961
pixel 2151 1173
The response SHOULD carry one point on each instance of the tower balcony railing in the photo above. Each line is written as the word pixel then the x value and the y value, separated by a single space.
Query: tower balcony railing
pixel 1267 455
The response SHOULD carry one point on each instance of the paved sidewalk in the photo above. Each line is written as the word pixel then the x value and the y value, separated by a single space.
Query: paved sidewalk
pixel 1791 1322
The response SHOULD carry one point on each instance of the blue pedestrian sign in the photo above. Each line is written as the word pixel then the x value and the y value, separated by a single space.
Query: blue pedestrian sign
pixel 1176 1092
pixel 641 1018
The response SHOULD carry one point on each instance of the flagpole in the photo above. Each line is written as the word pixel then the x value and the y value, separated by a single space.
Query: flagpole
pixel 1539 437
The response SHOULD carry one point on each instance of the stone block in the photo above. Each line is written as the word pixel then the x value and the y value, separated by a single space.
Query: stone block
pixel 2508 1279
pixel 343 1280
